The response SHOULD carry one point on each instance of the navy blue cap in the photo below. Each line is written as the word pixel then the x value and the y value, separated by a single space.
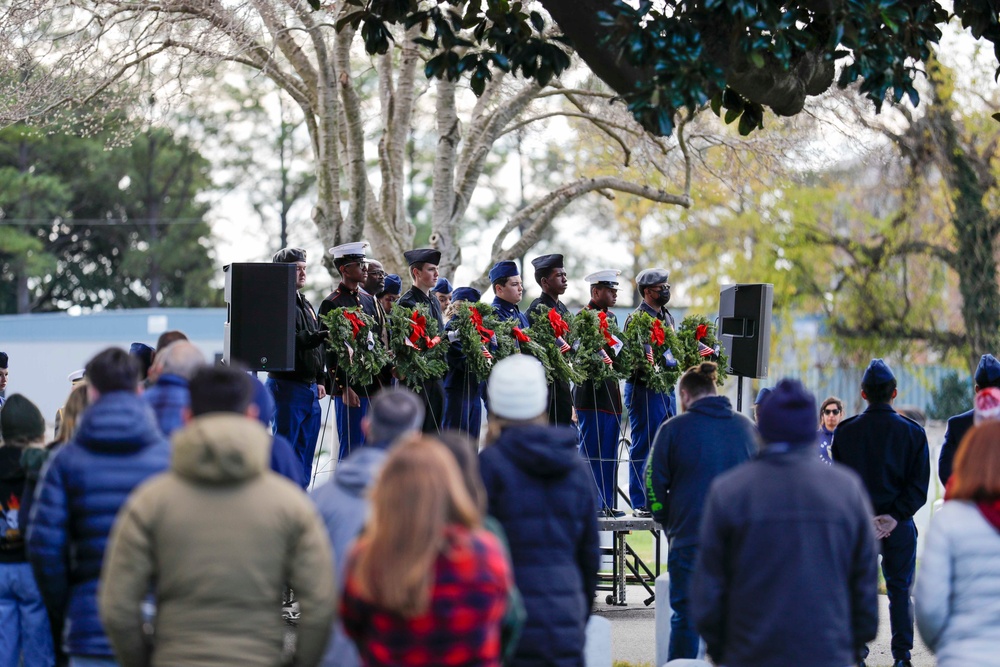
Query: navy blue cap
pixel 419 255
pixel 504 269
pixel 547 262
pixel 3 360
pixel 788 414
pixel 650 277
pixel 289 256
pixel 878 372
pixel 466 294
pixel 761 395
pixel 393 284
pixel 988 371
pixel 442 286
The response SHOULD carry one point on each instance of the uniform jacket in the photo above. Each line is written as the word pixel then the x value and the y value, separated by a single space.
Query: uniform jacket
pixel 663 315
pixel 83 485
pixel 605 396
pixel 890 453
pixel 309 355
pixel 462 625
pixel 958 587
pixel 560 392
pixel 542 493
pixel 343 506
pixel 219 536
pixel 688 452
pixel 414 295
pixel 168 397
pixel 958 426
pixel 786 566
pixel 506 310
pixel 344 298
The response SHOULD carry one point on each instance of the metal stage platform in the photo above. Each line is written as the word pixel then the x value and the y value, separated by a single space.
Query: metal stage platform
pixel 626 566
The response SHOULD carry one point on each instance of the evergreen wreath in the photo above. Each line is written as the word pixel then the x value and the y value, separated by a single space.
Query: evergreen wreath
pixel 697 343
pixel 550 332
pixel 478 339
pixel 512 340
pixel 648 342
pixel 594 358
pixel 352 339
pixel 418 349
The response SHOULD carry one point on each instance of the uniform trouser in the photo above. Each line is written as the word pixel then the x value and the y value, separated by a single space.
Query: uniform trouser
pixel 646 411
pixel 463 410
pixel 349 431
pixel 298 417
pixel 432 394
pixel 684 641
pixel 24 624
pixel 599 446
pixel 899 559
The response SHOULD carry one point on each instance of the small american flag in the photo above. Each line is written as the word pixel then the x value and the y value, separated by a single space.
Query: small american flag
pixel 705 350
pixel 563 345
pixel 486 353
pixel 604 357
pixel 648 349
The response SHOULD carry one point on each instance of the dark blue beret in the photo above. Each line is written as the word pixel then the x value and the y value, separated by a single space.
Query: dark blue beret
pixel 393 284
pixel 466 294
pixel 420 255
pixel 442 286
pixel 547 262
pixel 289 256
pixel 3 360
pixel 988 371
pixel 878 372
pixel 504 269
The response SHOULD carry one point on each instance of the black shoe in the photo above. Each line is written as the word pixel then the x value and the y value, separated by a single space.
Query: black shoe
pixel 617 513
pixel 641 513
pixel 902 663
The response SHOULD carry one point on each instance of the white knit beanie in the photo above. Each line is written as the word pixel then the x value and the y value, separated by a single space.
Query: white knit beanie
pixel 517 388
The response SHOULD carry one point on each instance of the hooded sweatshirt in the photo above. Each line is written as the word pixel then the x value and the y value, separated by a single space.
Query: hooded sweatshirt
pixel 542 493
pixel 219 536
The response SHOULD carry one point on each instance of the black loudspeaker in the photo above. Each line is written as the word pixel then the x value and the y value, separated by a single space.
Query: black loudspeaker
pixel 745 328
pixel 260 323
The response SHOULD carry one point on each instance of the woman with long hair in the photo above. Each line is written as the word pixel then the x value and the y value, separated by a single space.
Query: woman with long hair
pixel 958 585
pixel 425 584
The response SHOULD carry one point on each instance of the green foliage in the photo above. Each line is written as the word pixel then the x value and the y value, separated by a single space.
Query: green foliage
pixel 108 228
pixel 541 332
pixel 954 396
pixel 422 359
pixel 470 339
pixel 687 345
pixel 590 342
pixel 508 344
pixel 362 350
pixel 658 376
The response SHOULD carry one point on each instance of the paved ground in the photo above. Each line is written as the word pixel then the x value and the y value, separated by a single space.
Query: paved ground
pixel 633 634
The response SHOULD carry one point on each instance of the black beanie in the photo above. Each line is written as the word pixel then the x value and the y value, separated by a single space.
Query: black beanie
pixel 788 414
pixel 21 420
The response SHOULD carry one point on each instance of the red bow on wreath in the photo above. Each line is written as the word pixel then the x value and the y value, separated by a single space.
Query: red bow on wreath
pixel 520 336
pixel 603 317
pixel 418 332
pixel 657 335
pixel 356 323
pixel 477 320
pixel 559 326
pixel 701 331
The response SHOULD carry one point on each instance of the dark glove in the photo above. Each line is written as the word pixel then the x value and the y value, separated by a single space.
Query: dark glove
pixel 319 337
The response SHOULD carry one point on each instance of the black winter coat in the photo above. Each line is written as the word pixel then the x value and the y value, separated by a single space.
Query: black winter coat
pixel 543 494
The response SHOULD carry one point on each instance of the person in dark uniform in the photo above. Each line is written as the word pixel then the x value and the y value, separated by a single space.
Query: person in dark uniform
pixel 647 409
pixel 374 277
pixel 551 277
pixel 507 287
pixel 351 401
pixel 987 375
pixel 463 393
pixel 423 264
pixel 889 452
pixel 442 292
pixel 297 393
pixel 599 405
pixel 390 292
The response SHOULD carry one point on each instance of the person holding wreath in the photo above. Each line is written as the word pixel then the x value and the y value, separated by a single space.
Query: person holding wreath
pixel 463 388
pixel 599 402
pixel 509 290
pixel 423 267
pixel 551 277
pixel 351 402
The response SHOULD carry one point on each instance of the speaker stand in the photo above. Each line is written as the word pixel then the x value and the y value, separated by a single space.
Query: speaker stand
pixel 739 394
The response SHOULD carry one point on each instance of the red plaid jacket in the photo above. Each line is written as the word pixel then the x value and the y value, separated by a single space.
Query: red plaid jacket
pixel 462 624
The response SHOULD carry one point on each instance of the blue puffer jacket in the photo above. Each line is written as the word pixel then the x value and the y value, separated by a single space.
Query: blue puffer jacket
pixel 84 483
pixel 543 494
